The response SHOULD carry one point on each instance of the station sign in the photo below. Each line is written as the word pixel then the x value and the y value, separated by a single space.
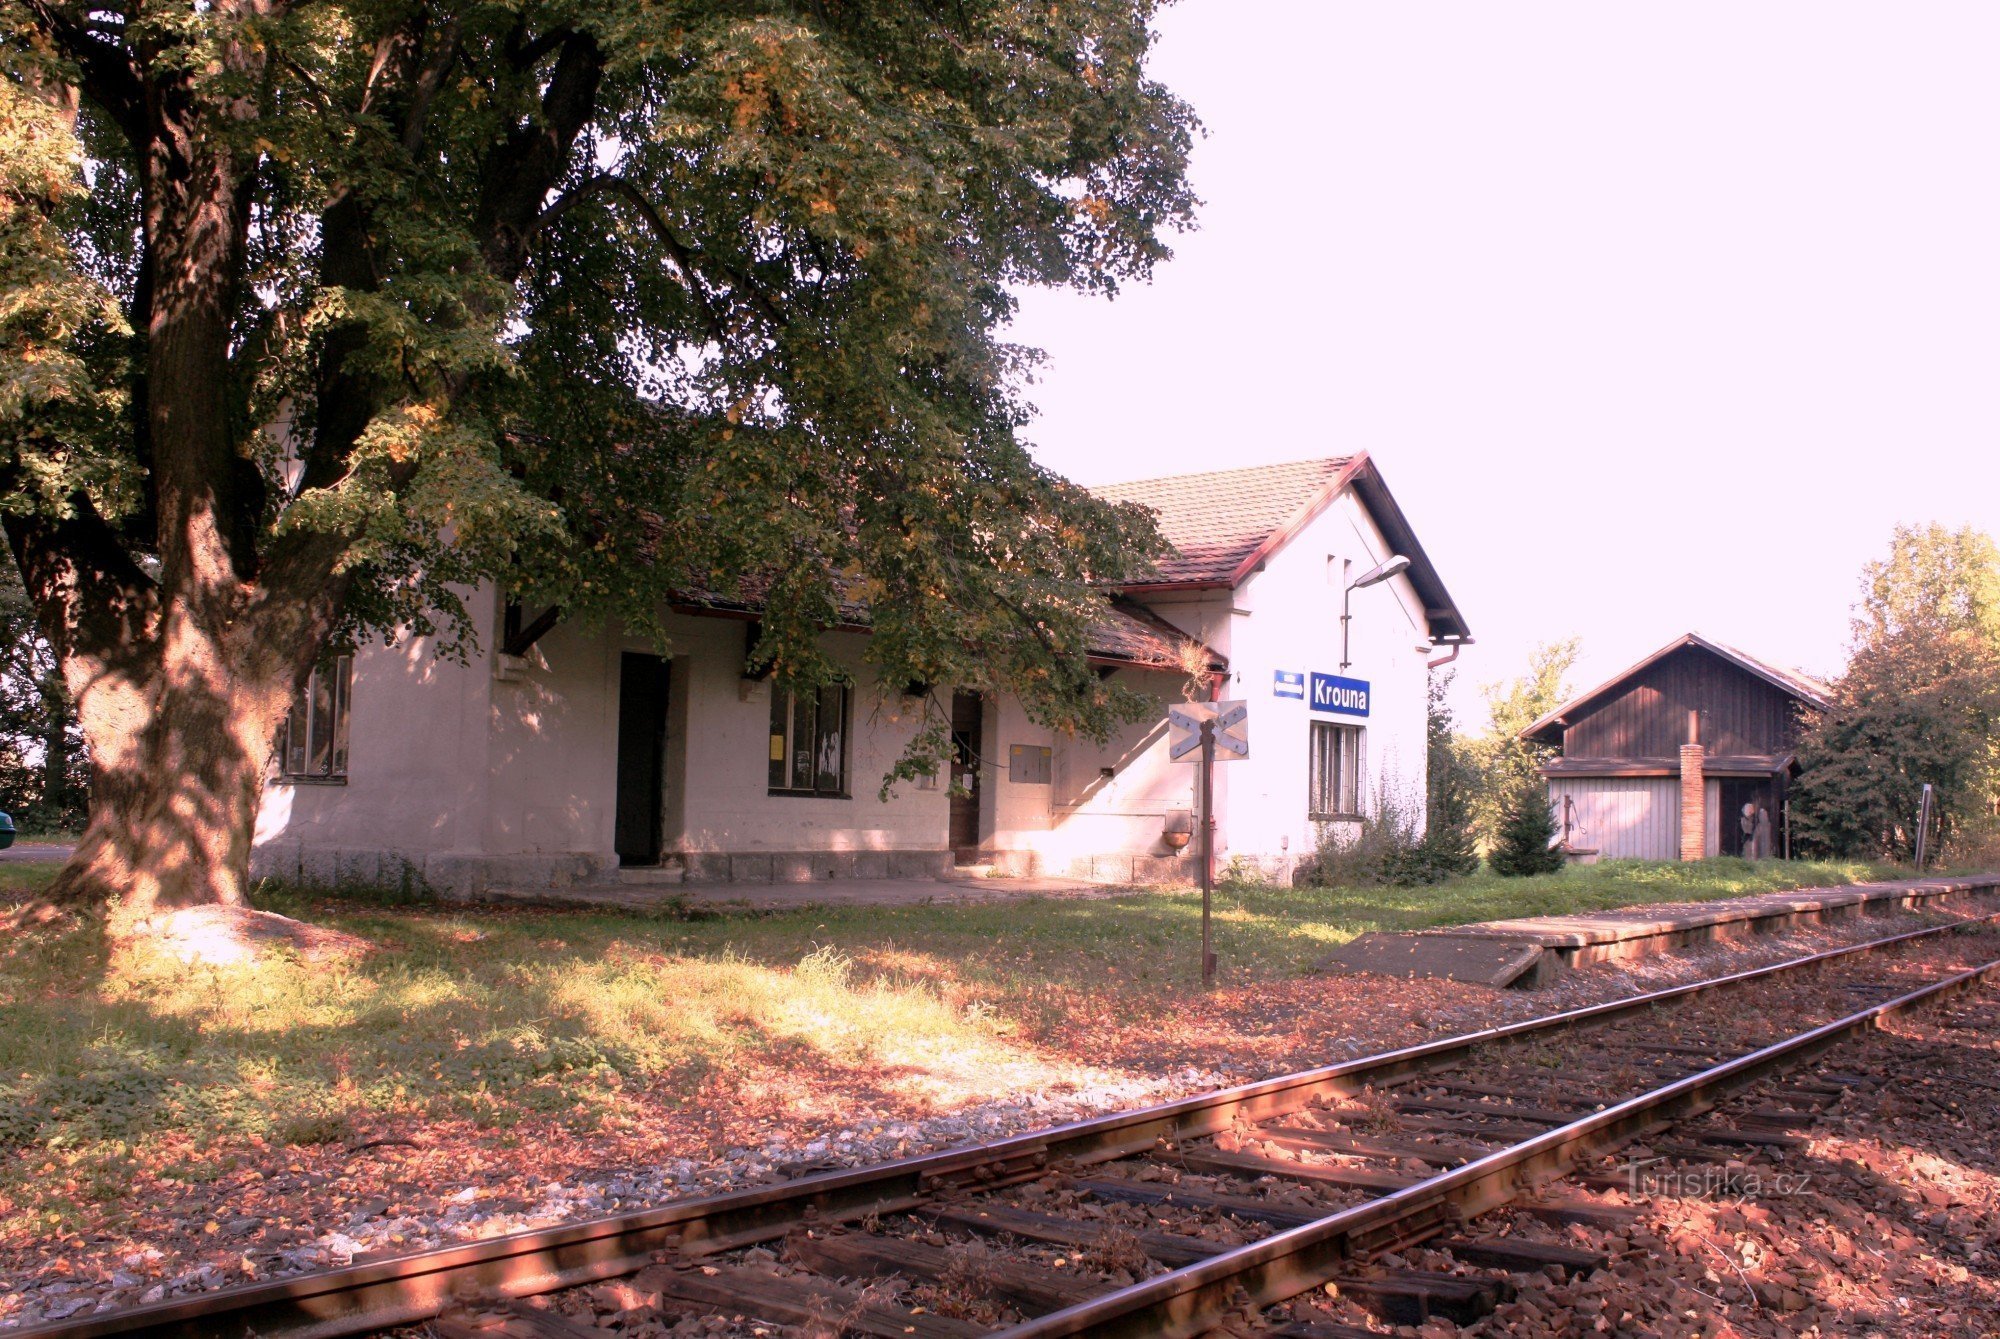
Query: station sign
pixel 1288 683
pixel 1341 697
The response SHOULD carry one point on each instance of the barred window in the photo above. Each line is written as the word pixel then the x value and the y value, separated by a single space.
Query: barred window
pixel 1337 759
pixel 314 742
pixel 809 741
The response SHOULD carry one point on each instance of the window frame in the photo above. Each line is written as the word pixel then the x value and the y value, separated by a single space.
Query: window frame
pixel 327 735
pixel 1345 788
pixel 785 700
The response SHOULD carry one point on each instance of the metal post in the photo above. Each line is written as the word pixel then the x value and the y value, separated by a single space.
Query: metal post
pixel 1207 844
pixel 1346 617
pixel 1923 825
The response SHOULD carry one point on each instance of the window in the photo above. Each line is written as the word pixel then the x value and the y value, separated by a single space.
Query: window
pixel 809 740
pixel 313 744
pixel 1335 785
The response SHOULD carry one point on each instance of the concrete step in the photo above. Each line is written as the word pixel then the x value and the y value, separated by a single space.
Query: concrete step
pixel 653 876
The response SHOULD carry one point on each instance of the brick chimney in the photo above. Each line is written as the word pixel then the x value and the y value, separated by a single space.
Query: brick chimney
pixel 1694 794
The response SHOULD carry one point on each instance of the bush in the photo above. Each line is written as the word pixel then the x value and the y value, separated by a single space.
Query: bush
pixel 1388 850
pixel 1451 845
pixel 1525 840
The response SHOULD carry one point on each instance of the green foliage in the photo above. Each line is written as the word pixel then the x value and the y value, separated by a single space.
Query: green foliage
pixel 1919 702
pixel 1525 840
pixel 1388 848
pixel 1502 758
pixel 607 303
pixel 1451 787
pixel 44 765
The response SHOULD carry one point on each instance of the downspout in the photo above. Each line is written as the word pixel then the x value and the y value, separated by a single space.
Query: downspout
pixel 1457 645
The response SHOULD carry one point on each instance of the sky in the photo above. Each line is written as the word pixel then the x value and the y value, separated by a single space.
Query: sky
pixel 1655 318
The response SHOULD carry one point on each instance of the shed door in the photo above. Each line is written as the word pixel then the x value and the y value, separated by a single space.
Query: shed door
pixel 642 747
pixel 1748 834
pixel 968 714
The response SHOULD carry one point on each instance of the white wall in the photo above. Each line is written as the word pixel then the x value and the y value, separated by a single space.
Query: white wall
pixel 1081 812
pixel 448 760
pixel 1287 617
pixel 728 806
pixel 418 766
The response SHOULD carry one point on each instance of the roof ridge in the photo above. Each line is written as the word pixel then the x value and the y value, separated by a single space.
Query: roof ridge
pixel 1333 460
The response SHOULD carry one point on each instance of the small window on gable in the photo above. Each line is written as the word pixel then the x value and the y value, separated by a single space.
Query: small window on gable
pixel 808 741
pixel 313 744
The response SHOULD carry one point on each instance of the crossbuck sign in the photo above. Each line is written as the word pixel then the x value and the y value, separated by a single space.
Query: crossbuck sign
pixel 1232 730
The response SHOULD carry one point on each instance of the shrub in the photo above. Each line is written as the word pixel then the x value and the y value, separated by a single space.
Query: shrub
pixel 1389 848
pixel 1525 840
pixel 1451 846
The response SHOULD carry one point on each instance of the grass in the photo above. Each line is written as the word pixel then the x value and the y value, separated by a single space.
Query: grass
pixel 598 1022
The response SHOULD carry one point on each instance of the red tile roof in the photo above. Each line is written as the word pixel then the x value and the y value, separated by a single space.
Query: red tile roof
pixel 1135 634
pixel 1127 633
pixel 1219 520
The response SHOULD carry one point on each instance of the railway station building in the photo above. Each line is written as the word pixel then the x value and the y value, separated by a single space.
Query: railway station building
pixel 565 755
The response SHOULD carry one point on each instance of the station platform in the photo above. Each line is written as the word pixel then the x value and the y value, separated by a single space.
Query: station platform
pixel 1534 951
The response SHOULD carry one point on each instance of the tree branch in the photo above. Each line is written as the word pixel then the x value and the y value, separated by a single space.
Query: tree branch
pixel 110 75
pixel 521 172
pixel 429 81
pixel 90 598
pixel 684 266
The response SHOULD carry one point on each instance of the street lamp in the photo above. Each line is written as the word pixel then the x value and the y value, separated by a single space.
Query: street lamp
pixel 1375 575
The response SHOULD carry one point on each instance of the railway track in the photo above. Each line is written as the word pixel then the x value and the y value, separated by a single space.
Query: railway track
pixel 1168 1219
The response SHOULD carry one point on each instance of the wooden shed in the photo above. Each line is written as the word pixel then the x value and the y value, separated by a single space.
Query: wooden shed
pixel 1688 753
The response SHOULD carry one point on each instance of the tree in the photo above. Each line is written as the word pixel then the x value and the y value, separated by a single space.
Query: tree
pixel 1918 702
pixel 319 314
pixel 44 767
pixel 1451 788
pixel 1524 840
pixel 1506 762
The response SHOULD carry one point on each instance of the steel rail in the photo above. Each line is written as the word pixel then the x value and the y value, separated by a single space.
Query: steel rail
pixel 1190 1300
pixel 359 1299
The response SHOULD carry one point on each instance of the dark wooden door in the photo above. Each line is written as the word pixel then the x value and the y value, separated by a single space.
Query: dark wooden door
pixel 642 747
pixel 1738 829
pixel 967 719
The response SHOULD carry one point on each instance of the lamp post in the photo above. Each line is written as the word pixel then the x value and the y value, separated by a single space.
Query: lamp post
pixel 1375 575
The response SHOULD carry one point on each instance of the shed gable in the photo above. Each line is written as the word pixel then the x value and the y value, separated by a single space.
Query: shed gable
pixel 1646 716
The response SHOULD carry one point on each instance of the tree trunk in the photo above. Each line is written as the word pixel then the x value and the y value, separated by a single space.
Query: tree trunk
pixel 179 750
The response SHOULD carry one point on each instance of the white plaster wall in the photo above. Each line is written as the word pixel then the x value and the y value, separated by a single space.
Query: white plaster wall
pixel 554 746
pixel 417 758
pixel 727 802
pixel 1287 617
pixel 1081 812
pixel 445 759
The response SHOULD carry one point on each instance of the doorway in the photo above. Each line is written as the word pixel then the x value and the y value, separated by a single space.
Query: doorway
pixel 642 748
pixel 1759 842
pixel 968 716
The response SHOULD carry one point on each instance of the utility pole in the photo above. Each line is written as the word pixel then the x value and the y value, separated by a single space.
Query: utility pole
pixel 1203 733
pixel 1207 845
pixel 1923 826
